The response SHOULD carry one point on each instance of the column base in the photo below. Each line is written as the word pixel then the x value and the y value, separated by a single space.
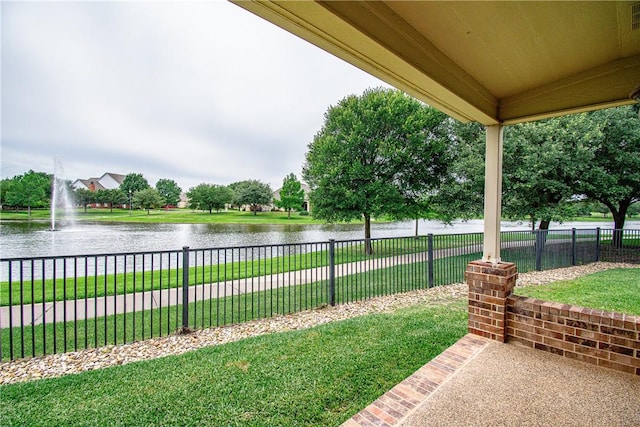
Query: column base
pixel 489 286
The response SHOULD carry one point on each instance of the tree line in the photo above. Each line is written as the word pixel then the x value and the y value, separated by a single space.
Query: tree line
pixel 34 190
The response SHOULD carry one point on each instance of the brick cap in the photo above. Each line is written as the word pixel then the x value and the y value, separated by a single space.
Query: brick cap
pixel 487 264
pixel 504 269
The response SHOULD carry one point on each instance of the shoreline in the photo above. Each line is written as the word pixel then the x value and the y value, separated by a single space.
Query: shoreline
pixel 232 217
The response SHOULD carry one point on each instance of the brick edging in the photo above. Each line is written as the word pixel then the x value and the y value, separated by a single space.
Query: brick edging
pixel 395 405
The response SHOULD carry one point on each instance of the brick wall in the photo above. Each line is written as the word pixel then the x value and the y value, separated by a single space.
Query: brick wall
pixel 602 338
pixel 598 337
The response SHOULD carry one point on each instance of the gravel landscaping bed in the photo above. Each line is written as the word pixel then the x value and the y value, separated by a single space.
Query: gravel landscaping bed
pixel 62 364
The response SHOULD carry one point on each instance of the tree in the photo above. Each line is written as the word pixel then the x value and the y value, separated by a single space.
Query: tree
pixel 601 208
pixel 253 193
pixel 540 161
pixel 584 207
pixel 377 154
pixel 423 164
pixel 5 186
pixel 461 195
pixel 169 189
pixel 29 190
pixel 209 197
pixel 291 194
pixel 113 197
pixel 134 182
pixel 84 197
pixel 611 173
pixel 148 199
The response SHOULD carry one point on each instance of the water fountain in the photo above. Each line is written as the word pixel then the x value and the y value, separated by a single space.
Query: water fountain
pixel 60 197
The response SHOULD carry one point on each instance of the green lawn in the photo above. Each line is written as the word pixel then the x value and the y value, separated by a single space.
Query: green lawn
pixel 189 216
pixel 611 290
pixel 177 216
pixel 316 377
pixel 599 217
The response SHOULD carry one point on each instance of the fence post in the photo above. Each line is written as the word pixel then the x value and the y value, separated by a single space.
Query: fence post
pixel 332 272
pixel 539 246
pixel 430 260
pixel 573 246
pixel 185 288
pixel 597 244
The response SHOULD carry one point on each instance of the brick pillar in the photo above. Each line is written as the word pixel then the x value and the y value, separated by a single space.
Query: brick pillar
pixel 489 287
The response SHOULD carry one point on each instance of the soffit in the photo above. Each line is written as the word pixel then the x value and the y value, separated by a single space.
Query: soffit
pixel 482 61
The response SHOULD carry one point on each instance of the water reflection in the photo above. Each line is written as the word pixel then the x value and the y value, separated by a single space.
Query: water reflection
pixel 29 239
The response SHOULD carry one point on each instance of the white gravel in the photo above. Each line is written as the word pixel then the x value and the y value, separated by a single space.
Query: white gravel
pixel 62 364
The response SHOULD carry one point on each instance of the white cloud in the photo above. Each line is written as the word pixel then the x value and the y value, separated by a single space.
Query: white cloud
pixel 195 92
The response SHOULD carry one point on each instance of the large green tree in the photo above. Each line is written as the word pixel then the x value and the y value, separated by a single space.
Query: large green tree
pixel 148 199
pixel 170 190
pixel 84 197
pixel 209 197
pixel 134 182
pixel 377 154
pixel 549 162
pixel 112 197
pixel 291 194
pixel 542 164
pixel 253 193
pixel 5 186
pixel 462 193
pixel 29 190
pixel 540 161
pixel 611 171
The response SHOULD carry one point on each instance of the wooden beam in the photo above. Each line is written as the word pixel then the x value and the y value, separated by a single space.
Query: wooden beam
pixel 606 86
pixel 412 50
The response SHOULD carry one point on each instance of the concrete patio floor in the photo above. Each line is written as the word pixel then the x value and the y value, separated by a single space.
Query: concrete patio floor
pixel 479 382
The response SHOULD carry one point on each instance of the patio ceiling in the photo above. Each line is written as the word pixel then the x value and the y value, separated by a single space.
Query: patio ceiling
pixel 490 62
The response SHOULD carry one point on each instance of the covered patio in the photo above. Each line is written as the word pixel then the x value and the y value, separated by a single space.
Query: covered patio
pixel 495 63
pixel 480 382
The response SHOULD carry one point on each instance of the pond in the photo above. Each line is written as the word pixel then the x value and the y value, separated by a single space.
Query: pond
pixel 30 239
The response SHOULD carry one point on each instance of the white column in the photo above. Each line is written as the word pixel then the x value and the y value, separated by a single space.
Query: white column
pixel 492 194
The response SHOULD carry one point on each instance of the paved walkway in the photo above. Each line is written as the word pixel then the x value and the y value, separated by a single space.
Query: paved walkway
pixel 87 308
pixel 478 382
pixel 79 309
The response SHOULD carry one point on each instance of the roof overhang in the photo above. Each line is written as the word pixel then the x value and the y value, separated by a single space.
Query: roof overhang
pixel 490 62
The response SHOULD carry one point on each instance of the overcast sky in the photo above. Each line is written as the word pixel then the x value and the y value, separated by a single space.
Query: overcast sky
pixel 195 92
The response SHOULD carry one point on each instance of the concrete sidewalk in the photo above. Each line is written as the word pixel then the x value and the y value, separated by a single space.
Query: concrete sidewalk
pixel 479 382
pixel 91 307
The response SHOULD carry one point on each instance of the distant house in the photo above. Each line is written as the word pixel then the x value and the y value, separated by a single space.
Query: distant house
pixel 184 200
pixel 306 206
pixel 108 181
pixel 90 184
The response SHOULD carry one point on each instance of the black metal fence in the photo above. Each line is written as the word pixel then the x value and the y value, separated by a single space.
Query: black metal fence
pixel 60 304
